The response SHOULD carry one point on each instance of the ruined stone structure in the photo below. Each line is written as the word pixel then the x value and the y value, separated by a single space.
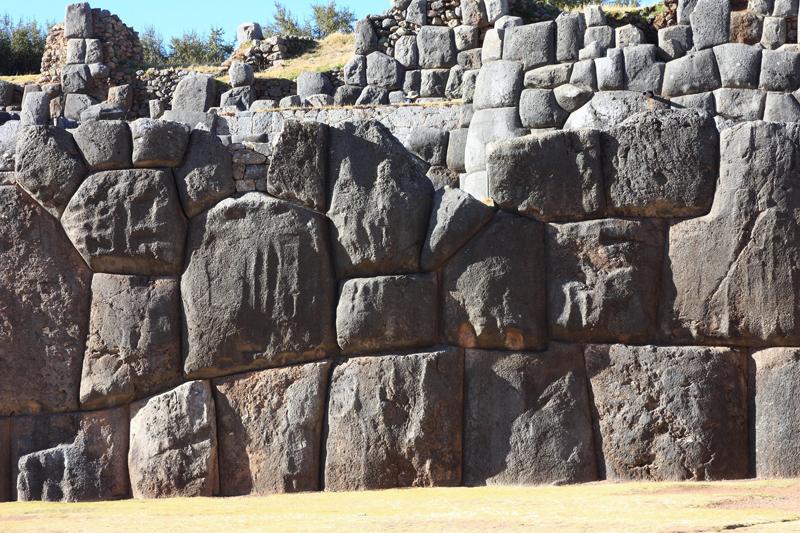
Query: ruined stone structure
pixel 586 270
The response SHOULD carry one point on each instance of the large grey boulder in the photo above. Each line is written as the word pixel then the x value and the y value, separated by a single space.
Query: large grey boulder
pixel 774 32
pixel 584 75
pixel 35 109
pixel 395 421
pixel 173 444
pixel 785 8
pixel 533 45
pixel 379 201
pixel 384 71
pixel 366 39
pixel 437 47
pixel 7 93
pixel 498 85
pixel 158 143
pixel 739 65
pixel 473 12
pixel 195 92
pixel 433 83
pixel 777 384
pixel 455 218
pixel 238 97
pixel 299 165
pixel 74 457
pixel 538 108
pixel 628 35
pixel 128 222
pixel 417 12
pixel 494 287
pixel 258 288
pixel 569 36
pixel 488 126
pixel 527 418
pixel 662 164
pixel 8 146
pixel 78 21
pixel 372 95
pixel 606 109
pixel 249 31
pixel 711 22
pixel 780 70
pixel 694 73
pixel 429 144
pixel 571 97
pixel 675 41
pixel 355 71
pixel 407 52
pixel 670 413
pixel 685 8
pixel 49 166
pixel 133 348
pixel 745 290
pixel 610 71
pixel 241 74
pixel 594 15
pixel 643 71
pixel 554 175
pixel 492 47
pixel 466 37
pixel 270 429
pixel 105 144
pixel 548 76
pixel 387 313
pixel 781 107
pixel 206 175
pixel 740 104
pixel 311 83
pixel 76 79
pixel 604 278
pixel 45 288
pixel 701 101
pixel 76 51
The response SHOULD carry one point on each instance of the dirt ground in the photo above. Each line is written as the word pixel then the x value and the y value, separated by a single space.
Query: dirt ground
pixel 630 507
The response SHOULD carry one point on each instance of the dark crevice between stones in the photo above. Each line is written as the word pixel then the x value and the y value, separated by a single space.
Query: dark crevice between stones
pixel 323 434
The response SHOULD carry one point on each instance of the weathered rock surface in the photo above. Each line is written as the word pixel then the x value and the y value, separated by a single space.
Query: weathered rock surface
pixel 609 108
pixel 206 175
pixel 745 289
pixel 105 144
pixel 494 288
pixel 49 166
pixel 455 218
pixel 527 418
pixel 550 176
pixel 195 92
pixel 299 165
pixel 662 164
pixel 387 313
pixel 133 346
pixel 670 413
pixel 44 298
pixel 128 222
pixel 270 427
pixel 173 444
pixel 158 143
pixel 603 283
pixel 777 418
pixel 533 44
pixel 5 459
pixel 258 289
pixel 71 457
pixel 395 421
pixel 379 201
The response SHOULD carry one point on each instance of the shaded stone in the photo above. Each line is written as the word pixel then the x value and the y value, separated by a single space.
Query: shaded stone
pixel 105 144
pixel 437 48
pixel 355 71
pixel 550 176
pixel 744 291
pixel 601 36
pixel 372 95
pixel 365 37
pixel 270 425
pixel 606 109
pixel 44 295
pixel 494 287
pixel 534 44
pixel 78 21
pixel 466 37
pixel 195 92
pixel 395 421
pixel 241 74
pixel 548 77
pixel 310 83
pixel 611 71
pixel 238 97
pixel 662 164
pixel 206 175
pixel 173 444
pixel 739 65
pixel 643 71
pixel 538 108
pixel 258 289
pixel 669 413
pixel 498 85
pixel 571 97
pixel 711 21
pixel 527 418
pixel 158 143
pixel 456 217
pixel 776 388
pixel 781 107
pixel 49 166
pixel 740 104
pixel 133 346
pixel 584 75
pixel 780 70
pixel 387 313
pixel 604 279
pixel 384 71
pixel 35 109
pixel 75 79
pixel 488 126
pixel 128 222
pixel 429 144
pixel 347 95
pixel 299 165
pixel 73 457
pixel 628 35
pixel 433 83
pixel 675 41
pixel 379 201
pixel 701 101
pixel 693 73
pixel 569 36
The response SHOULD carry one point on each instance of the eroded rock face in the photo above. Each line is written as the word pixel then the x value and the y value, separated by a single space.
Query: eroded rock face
pixel 128 222
pixel 777 417
pixel 299 165
pixel 49 166
pixel 133 346
pixel 71 457
pixel 206 175
pixel 744 290
pixel 380 201
pixel 604 278
pixel 527 418
pixel 662 164
pixel 44 298
pixel 395 421
pixel 258 289
pixel 173 444
pixel 270 426
pixel 670 413
pixel 494 288
pixel 5 459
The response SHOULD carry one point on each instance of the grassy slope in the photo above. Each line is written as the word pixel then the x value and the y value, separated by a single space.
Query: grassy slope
pixel 333 52
pixel 633 507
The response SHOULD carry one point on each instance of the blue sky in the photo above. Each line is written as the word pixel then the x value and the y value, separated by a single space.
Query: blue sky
pixel 173 17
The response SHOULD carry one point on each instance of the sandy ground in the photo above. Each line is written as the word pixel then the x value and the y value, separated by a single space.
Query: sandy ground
pixel 631 507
